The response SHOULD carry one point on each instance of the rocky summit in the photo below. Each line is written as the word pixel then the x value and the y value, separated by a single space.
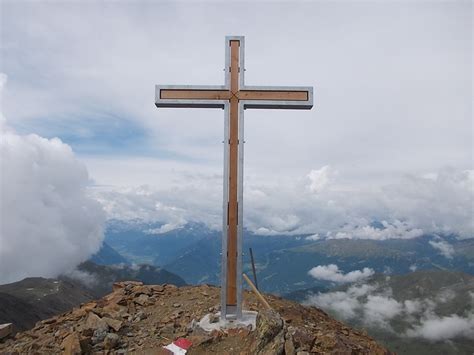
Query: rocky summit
pixel 139 319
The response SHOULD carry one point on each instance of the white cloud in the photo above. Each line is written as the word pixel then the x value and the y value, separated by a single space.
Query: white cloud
pixel 84 277
pixel 444 248
pixel 396 229
pixel 319 179
pixel 443 328
pixel 407 208
pixel 380 309
pixel 314 237
pixel 331 272
pixel 345 304
pixel 48 223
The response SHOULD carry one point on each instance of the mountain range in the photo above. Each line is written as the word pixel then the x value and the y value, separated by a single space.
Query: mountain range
pixel 283 261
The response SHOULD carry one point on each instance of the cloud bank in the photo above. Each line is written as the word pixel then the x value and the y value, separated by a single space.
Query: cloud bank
pixel 374 306
pixel 48 224
pixel 320 203
pixel 332 273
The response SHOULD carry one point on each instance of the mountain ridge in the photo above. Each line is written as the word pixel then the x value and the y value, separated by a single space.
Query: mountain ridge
pixel 136 318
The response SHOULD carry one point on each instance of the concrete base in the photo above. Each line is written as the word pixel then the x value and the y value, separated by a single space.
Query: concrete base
pixel 248 320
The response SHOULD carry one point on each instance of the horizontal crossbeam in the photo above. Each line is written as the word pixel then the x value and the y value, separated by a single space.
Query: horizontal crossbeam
pixel 250 96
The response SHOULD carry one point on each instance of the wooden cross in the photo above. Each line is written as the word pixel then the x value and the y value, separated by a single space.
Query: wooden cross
pixel 234 97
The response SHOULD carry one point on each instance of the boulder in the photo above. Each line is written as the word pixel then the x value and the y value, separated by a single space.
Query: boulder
pixel 115 324
pixel 142 300
pixel 71 344
pixel 94 322
pixel 270 336
pixel 6 330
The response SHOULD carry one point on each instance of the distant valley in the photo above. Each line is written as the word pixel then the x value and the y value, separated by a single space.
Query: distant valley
pixel 283 261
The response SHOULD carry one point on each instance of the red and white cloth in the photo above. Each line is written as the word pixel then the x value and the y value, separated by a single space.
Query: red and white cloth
pixel 179 346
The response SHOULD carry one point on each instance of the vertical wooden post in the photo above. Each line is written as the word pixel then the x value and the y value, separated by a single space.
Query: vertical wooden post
pixel 233 177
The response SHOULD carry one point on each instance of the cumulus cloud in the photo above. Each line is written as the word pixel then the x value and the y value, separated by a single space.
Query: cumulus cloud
pixel 444 248
pixel 443 328
pixel 48 222
pixel 332 273
pixel 344 303
pixel 379 309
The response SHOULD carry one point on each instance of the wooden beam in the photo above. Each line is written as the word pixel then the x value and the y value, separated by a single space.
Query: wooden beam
pixel 177 94
pixel 273 95
pixel 257 292
pixel 233 179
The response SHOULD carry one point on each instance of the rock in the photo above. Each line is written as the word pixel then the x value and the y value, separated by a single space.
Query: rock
pixel 170 287
pixel 270 338
pixel 157 288
pixel 49 321
pixel 98 336
pixel 6 330
pixel 142 300
pixel 213 318
pixel 139 316
pixel 94 322
pixel 71 344
pixel 89 306
pixel 111 340
pixel 289 346
pixel 118 286
pixel 142 290
pixel 176 305
pixel 167 329
pixel 302 339
pixel 113 323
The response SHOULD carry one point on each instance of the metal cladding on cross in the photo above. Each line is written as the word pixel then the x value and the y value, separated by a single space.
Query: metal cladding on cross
pixel 234 97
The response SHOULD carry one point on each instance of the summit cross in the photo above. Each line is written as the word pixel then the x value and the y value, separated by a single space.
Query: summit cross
pixel 234 97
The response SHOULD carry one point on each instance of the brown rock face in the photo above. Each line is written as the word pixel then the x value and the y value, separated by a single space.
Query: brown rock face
pixel 71 344
pixel 140 319
pixel 269 337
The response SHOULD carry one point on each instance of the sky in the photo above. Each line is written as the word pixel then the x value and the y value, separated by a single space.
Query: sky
pixel 389 139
